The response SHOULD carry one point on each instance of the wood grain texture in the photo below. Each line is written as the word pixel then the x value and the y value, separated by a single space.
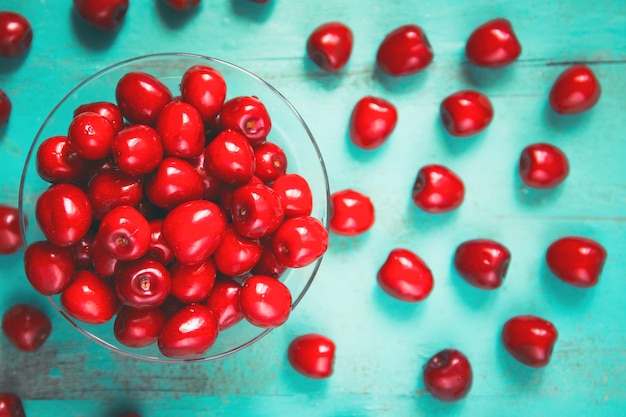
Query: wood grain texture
pixel 381 343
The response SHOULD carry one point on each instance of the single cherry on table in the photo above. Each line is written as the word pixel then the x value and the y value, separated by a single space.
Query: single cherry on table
pixel 312 355
pixel 106 15
pixel 27 327
pixel 483 263
pixel 437 189
pixel 330 45
pixel 542 165
pixel 576 90
pixel 16 35
pixel 493 44
pixel 372 121
pixel 10 234
pixel 352 213
pixel 466 113
pixel 529 339
pixel 576 260
pixel 448 375
pixel 11 405
pixel 404 51
pixel 405 276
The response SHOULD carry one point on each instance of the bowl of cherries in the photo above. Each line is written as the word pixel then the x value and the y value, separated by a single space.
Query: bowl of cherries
pixel 174 208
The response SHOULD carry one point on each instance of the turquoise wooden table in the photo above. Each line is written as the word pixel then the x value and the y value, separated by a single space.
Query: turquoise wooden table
pixel 382 343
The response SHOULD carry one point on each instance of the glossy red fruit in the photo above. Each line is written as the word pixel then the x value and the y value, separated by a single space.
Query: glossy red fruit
pixel 448 375
pixel 181 130
pixel 493 44
pixel 248 116
pixel 270 162
pixel 141 97
pixel 265 301
pixel 193 230
pixel 230 157
pixel 312 355
pixel 11 405
pixel 113 188
pixel 57 161
pixel 103 261
pixel 16 34
pixel 192 283
pixel 91 135
pixel 483 263
pixel 576 260
pixel 466 113
pixel 295 194
pixel 352 213
pixel 300 241
pixel 236 254
pixel 373 119
pixel 49 268
pixel 205 89
pixel 542 165
pixel 125 233
pixel 330 46
pixel 103 14
pixel 106 109
pixel 158 249
pixel 437 189
pixel 576 90
pixel 212 184
pixel 182 5
pixel 174 182
pixel 138 328
pixel 529 339
pixel 405 276
pixel 137 149
pixel 83 251
pixel 404 51
pixel 224 302
pixel 189 332
pixel 26 327
pixel 144 283
pixel 10 235
pixel 89 298
pixel 5 108
pixel 64 214
pixel 257 210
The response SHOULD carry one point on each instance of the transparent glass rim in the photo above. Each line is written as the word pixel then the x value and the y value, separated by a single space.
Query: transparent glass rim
pixel 33 149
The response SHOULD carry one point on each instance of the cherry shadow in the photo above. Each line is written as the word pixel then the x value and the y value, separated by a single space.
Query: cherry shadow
pixel 327 80
pixel 563 294
pixel 565 122
pixel 257 12
pixel 405 83
pixel 524 378
pixel 90 36
pixel 457 145
pixel 175 19
pixel 534 197
pixel 10 65
pixel 480 77
pixel 396 310
pixel 426 222
pixel 476 298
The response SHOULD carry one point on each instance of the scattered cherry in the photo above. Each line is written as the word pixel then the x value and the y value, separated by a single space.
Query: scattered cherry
pixel 372 120
pixel 352 213
pixel 576 260
pixel 16 34
pixel 404 51
pixel 182 5
pixel 26 326
pixel 5 108
pixel 466 113
pixel 493 44
pixel 437 189
pixel 483 263
pixel 448 375
pixel 10 234
pixel 103 14
pixel 405 276
pixel 529 339
pixel 576 90
pixel 265 301
pixel 330 45
pixel 312 355
pixel 11 405
pixel 542 165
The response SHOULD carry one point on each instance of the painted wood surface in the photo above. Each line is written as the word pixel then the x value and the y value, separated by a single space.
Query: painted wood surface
pixel 381 343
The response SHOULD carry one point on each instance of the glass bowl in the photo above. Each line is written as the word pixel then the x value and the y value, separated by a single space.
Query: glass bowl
pixel 289 131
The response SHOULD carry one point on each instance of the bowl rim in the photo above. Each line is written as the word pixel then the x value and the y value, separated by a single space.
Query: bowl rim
pixel 32 151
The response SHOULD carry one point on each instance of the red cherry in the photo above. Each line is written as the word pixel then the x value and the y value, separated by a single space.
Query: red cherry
pixel 49 268
pixel 5 108
pixel 352 213
pixel 268 264
pixel 300 241
pixel 125 233
pixel 542 165
pixel 105 109
pixel 26 327
pixel 312 355
pixel 91 135
pixel 11 405
pixel 230 157
pixel 404 51
pixel 576 260
pixel 10 235
pixel 576 90
pixel 137 149
pixel 236 254
pixel 270 162
pixel 256 209
pixel 144 283
pixel 158 249
pixel 448 375
pixel 83 251
pixel 205 89
pixel 482 263
pixel 16 34
pixel 529 339
pixel 58 161
pixel 141 97
pixel 405 276
pixel 64 214
pixel 193 230
pixel 493 44
pixel 181 130
pixel 192 283
pixel 102 14
pixel 265 301
pixel 113 188
pixel 373 119
pixel 138 328
pixel 248 116
pixel 224 303
pixel 188 333
pixel 466 113
pixel 212 184
pixel 295 194
pixel 174 182
pixel 437 189
pixel 103 260
pixel 89 298
pixel 182 5
pixel 330 46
